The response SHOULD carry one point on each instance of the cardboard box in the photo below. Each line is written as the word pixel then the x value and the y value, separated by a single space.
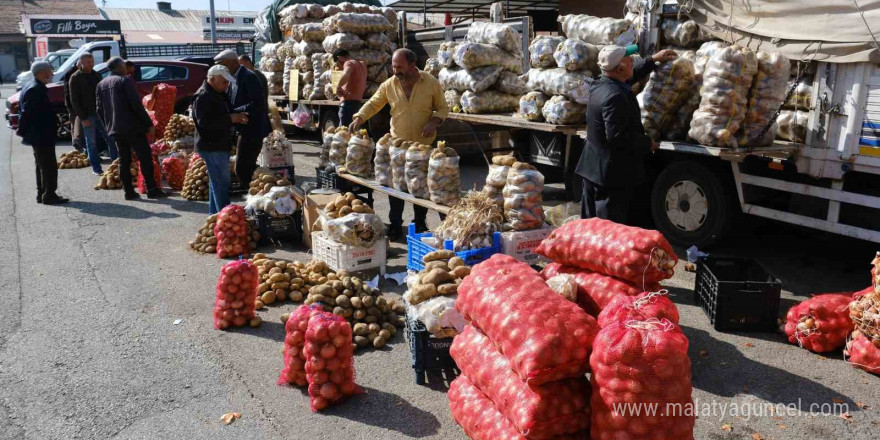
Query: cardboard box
pixel 315 202
pixel 522 244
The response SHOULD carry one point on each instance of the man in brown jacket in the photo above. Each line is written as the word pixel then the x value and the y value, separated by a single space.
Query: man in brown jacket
pixel 83 86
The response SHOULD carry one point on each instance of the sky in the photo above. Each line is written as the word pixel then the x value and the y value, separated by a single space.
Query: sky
pixel 219 5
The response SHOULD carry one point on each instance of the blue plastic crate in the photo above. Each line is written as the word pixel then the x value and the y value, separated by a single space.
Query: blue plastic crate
pixel 416 250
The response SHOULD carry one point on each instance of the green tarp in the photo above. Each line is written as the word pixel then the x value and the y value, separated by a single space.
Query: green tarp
pixel 276 7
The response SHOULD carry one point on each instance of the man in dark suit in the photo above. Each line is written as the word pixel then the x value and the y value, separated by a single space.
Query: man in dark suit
pixel 37 127
pixel 613 161
pixel 247 96
pixel 247 63
pixel 125 119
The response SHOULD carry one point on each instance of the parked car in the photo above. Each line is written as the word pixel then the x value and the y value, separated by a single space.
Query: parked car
pixel 186 77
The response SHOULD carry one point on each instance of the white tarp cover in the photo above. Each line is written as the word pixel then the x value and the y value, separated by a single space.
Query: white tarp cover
pixel 831 31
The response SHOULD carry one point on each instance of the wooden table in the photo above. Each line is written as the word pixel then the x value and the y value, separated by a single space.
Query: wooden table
pixel 319 102
pixel 391 192
pixel 508 120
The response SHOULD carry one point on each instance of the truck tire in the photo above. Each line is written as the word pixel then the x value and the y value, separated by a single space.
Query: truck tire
pixel 689 204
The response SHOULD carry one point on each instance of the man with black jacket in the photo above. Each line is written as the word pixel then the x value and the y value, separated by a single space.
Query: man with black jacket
pixel 247 96
pixel 247 63
pixel 213 138
pixel 83 87
pixel 36 126
pixel 76 134
pixel 613 161
pixel 120 110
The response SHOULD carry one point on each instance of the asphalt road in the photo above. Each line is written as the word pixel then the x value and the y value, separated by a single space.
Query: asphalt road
pixel 89 350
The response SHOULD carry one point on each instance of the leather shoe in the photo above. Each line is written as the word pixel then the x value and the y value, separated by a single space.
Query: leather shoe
pixel 132 196
pixel 56 200
pixel 39 199
pixel 156 193
pixel 394 232
pixel 421 228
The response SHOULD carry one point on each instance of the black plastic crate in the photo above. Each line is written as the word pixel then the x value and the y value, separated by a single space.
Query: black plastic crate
pixel 429 354
pixel 737 294
pixel 285 227
pixel 329 179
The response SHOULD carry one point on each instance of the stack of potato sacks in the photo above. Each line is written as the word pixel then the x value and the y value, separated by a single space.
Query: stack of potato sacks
pixel 792 120
pixel 517 186
pixel 427 173
pixel 433 290
pixel 481 72
pixel 272 66
pixel 522 356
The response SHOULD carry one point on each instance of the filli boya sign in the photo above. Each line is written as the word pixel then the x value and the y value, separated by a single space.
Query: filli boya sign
pixel 52 26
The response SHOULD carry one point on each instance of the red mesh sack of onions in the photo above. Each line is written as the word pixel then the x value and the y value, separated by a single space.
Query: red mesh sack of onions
pixel 329 360
pixel 595 290
pixel 641 307
pixel 160 106
pixel 231 232
pixel 478 417
pixel 545 336
pixel 641 363
pixel 625 252
pixel 294 371
pixel 821 323
pixel 863 353
pixel 159 148
pixel 174 169
pixel 157 176
pixel 538 412
pixel 236 291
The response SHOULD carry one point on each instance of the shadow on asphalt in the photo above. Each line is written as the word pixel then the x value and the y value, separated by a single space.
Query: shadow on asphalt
pixel 389 411
pixel 267 330
pixel 116 210
pixel 184 205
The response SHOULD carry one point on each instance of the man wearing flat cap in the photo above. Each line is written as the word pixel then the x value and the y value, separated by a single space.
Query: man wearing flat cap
pixel 613 160
pixel 246 96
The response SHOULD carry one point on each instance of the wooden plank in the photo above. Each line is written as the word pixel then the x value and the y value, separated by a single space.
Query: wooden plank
pixel 395 193
pixel 319 102
pixel 508 120
pixel 278 97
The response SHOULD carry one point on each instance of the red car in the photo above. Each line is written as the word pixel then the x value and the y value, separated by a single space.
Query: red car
pixel 187 77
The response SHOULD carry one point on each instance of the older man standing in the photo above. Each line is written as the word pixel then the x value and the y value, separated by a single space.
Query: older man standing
pixel 120 110
pixel 417 109
pixel 247 96
pixel 83 88
pixel 247 63
pixel 214 119
pixel 36 126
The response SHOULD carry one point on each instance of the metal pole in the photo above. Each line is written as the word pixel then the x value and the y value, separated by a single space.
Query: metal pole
pixel 213 25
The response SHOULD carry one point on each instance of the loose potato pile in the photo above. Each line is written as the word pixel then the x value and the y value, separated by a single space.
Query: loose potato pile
pixel 179 126
pixel 346 204
pixel 110 179
pixel 195 184
pixel 442 275
pixel 282 280
pixel 264 180
pixel 206 242
pixel 73 159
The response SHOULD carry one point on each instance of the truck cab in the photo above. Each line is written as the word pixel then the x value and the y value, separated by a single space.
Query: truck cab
pixel 100 50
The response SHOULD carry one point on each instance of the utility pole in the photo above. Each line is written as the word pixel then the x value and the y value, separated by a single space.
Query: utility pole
pixel 213 24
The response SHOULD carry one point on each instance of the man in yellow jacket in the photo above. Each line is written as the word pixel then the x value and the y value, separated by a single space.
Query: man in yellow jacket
pixel 417 109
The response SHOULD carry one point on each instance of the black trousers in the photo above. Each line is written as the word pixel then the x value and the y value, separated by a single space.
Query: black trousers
pixel 126 143
pixel 246 159
pixel 395 214
pixel 606 203
pixel 347 111
pixel 46 170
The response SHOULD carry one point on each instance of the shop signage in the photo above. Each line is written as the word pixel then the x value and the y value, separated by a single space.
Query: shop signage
pixel 54 26
pixel 227 23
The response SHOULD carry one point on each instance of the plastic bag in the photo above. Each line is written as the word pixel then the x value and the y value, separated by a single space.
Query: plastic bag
pixel 433 314
pixel 531 105
pixel 724 97
pixel 598 31
pixel 562 213
pixel 339 147
pixel 475 80
pixel 769 88
pixel 360 24
pixel 595 290
pixel 705 52
pixel 345 41
pixel 294 371
pixel 802 95
pixel 231 232
pixel 541 51
pixel 564 285
pixel 683 33
pixel 472 55
pixel 329 361
pixel 511 84
pixel 681 123
pixel 522 197
pixel 625 252
pixel 174 169
pixel 236 291
pixel 310 32
pixel 432 66
pixel 359 154
pixel 398 164
pixel 417 158
pixel 444 175
pixel 307 48
pixel 488 101
pixel 821 323
pixel 359 230
pixel 382 161
pixel 445 52
pixel 498 34
pixel 863 353
pixel 496 179
pixel 371 56
pixel 641 363
pixel 561 111
pixel 326 141
pixel 573 85
pixel 503 294
pixel 576 55
pixel 378 41
pixel 542 411
pixel 667 90
pixel 792 125
pixel 641 307
pixel 301 117
pixel 453 100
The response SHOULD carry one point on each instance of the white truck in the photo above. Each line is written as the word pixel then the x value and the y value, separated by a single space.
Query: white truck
pixel 100 50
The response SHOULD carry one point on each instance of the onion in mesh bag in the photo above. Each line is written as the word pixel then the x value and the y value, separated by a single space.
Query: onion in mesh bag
pixel 453 100
pixel 359 154
pixel 310 32
pixel 802 95
pixel 863 353
pixel 561 111
pixel 531 106
pixel 577 55
pixel 390 14
pixel 573 85
pixel 316 11
pixel 307 48
pixel 769 88
pixel 339 146
pixel 345 41
pixel 596 30
pixel 496 179
pixel 398 163
pixel 541 51
pixel 371 56
pixel 726 83
pixel 682 121
pixel 705 52
pixel 595 290
pixel 646 305
pixel 271 65
pixel 683 33
pixel 821 323
pixel 666 91
pixel 488 101
pixel 444 175
pixel 511 84
pixel 378 41
pixel 475 80
pixel 302 63
pixel 327 140
pixel 472 55
pixel 445 52
pixel 498 34
pixel 432 66
pixel 382 161
pixel 792 125
pixel 416 170
pixel 522 197
pixel 360 24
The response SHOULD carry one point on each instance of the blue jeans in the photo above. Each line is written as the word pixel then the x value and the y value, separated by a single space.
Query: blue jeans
pixel 91 134
pixel 218 179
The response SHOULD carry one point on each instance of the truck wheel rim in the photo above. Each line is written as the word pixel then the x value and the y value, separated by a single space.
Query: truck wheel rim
pixel 687 206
